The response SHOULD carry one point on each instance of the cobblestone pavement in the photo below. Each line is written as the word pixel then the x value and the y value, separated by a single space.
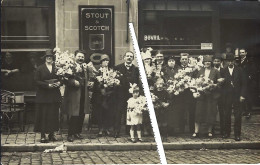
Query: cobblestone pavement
pixel 250 132
pixel 134 157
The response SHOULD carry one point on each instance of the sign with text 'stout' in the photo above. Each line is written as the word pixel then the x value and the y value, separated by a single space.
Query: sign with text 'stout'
pixel 96 31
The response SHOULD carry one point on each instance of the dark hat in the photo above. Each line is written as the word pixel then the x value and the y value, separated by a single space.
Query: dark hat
pixel 217 56
pixel 207 58
pixel 48 52
pixel 229 45
pixel 229 56
pixel 171 58
pixel 104 56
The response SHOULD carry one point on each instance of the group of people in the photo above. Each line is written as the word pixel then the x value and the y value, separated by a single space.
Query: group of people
pixel 116 106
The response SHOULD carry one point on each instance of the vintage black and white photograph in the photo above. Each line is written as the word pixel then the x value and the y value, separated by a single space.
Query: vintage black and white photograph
pixel 72 91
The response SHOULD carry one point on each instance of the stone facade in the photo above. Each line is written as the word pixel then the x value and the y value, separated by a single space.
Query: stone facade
pixel 67 24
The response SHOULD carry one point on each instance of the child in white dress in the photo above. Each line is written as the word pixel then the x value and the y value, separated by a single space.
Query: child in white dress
pixel 135 107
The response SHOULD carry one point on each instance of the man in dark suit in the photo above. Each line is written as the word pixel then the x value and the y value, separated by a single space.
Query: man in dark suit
pixel 185 102
pixel 250 69
pixel 217 65
pixel 235 90
pixel 130 74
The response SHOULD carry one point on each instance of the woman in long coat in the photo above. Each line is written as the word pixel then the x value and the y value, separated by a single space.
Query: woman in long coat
pixel 48 99
pixel 104 99
pixel 206 106
pixel 172 118
pixel 76 101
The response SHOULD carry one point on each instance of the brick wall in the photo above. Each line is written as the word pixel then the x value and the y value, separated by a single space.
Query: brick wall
pixel 67 23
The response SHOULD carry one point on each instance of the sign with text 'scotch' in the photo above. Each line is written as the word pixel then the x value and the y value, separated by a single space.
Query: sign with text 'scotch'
pixel 96 31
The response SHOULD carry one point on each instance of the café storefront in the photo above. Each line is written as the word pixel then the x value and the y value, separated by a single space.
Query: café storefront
pixel 199 27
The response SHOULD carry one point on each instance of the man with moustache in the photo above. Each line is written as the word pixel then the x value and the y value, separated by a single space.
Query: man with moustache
pixel 130 74
pixel 235 91
pixel 76 98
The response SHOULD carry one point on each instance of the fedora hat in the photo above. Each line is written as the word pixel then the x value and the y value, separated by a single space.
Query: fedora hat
pixel 207 58
pixel 230 56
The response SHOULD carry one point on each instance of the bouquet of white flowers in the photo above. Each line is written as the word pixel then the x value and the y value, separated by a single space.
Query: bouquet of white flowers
pixel 108 78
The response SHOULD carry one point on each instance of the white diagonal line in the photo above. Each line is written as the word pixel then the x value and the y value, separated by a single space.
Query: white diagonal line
pixel 148 96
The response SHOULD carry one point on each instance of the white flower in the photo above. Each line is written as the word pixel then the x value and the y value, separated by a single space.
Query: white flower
pixel 69 71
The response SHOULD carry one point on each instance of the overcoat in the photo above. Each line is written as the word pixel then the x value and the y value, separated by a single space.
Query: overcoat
pixel 72 95
pixel 44 94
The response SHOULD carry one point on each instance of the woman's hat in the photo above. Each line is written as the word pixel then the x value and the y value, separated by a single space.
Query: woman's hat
pixel 146 55
pixel 104 56
pixel 48 53
pixel 171 58
pixel 207 58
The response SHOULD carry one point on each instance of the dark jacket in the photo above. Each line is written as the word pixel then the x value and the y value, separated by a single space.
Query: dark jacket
pixel 72 95
pixel 129 76
pixel 44 94
pixel 238 79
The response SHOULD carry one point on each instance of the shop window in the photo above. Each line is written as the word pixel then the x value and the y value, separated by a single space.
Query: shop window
pixel 166 31
pixel 27 24
pixel 27 30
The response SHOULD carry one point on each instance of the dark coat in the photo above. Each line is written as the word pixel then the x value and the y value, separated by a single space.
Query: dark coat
pixel 129 76
pixel 44 94
pixel 239 81
pixel 73 94
pixel 170 72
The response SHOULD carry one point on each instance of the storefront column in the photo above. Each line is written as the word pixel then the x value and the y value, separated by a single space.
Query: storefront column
pixel 59 19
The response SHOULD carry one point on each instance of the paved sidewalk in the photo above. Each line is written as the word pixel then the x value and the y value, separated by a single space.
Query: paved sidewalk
pixel 29 141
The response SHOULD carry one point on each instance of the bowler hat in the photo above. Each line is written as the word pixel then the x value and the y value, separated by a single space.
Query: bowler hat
pixel 104 56
pixel 217 56
pixel 229 56
pixel 207 58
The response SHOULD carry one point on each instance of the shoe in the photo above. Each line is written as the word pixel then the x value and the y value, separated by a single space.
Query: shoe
pixel 107 133
pixel 52 137
pixel 100 134
pixel 226 136
pixel 133 140
pixel 248 115
pixel 78 136
pixel 237 138
pixel 195 135
pixel 70 138
pixel 210 135
pixel 44 140
pixel 140 139
pixel 116 135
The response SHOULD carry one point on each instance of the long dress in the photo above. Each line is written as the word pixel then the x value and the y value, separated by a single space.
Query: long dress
pixel 206 106
pixel 47 101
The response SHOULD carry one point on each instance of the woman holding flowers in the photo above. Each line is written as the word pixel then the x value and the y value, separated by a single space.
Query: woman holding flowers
pixel 206 106
pixel 104 95
pixel 170 71
pixel 76 101
pixel 48 98
pixel 149 69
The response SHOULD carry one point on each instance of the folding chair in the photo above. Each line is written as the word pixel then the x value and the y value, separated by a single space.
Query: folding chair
pixel 11 104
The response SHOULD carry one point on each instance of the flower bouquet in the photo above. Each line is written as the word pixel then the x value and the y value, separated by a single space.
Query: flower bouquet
pixel 108 78
pixel 140 105
pixel 180 83
pixel 201 86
